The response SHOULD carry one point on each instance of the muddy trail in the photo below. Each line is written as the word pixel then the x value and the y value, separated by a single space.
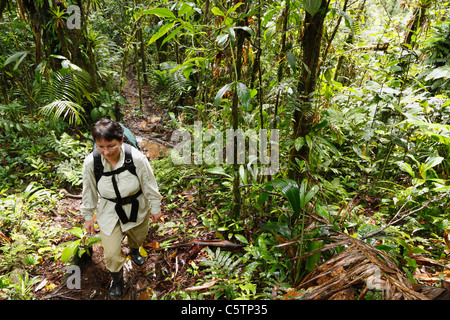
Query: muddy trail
pixel 166 270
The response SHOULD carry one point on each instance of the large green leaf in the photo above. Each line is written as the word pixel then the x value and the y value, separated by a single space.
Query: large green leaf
pixel 172 34
pixel 77 231
pixel 297 196
pixel 312 6
pixel 292 61
pixel 19 56
pixel 185 8
pixel 160 12
pixel 293 196
pixel 161 32
pixel 277 228
pixel 217 12
pixel 289 189
pixel 243 93
pixel 221 92
pixel 438 73
pixel 219 171
pixel 313 260
pixel 305 197
pixel 92 240
pixel 70 250
pixel 431 162
pixel 406 167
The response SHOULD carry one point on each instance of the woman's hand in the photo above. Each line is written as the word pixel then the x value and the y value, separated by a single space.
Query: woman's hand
pixel 155 217
pixel 89 226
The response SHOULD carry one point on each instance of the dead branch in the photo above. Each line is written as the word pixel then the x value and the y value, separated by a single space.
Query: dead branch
pixel 69 195
pixel 206 243
pixel 374 47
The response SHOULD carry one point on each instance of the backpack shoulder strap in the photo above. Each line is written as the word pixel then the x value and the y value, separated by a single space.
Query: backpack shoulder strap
pixel 98 165
pixel 128 162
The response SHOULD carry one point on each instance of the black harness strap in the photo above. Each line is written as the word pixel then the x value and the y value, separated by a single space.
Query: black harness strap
pixel 119 201
pixel 127 200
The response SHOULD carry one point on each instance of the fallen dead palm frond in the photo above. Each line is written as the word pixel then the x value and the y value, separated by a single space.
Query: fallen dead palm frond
pixel 362 266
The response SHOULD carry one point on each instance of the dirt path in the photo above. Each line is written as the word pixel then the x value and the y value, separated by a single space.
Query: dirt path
pixel 164 271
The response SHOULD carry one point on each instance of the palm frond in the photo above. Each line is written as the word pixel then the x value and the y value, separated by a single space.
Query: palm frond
pixel 63 95
pixel 358 265
pixel 65 109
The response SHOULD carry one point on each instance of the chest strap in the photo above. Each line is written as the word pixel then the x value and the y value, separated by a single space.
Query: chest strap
pixel 127 200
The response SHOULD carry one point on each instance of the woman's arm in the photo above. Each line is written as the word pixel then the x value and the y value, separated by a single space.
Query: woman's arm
pixel 149 187
pixel 89 194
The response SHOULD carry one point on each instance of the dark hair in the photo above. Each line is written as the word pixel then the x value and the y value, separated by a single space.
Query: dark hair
pixel 107 129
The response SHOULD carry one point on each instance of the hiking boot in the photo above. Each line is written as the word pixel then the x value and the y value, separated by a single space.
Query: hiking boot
pixel 115 290
pixel 136 257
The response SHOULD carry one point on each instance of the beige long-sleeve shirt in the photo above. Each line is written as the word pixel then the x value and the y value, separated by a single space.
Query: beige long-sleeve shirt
pixel 129 184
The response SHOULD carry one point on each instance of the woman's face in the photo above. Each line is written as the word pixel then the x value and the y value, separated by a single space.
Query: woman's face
pixel 109 149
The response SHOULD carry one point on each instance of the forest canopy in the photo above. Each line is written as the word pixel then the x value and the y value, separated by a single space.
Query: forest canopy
pixel 349 97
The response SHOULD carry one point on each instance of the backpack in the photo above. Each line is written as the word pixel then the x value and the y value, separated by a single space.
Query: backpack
pixel 129 137
pixel 129 142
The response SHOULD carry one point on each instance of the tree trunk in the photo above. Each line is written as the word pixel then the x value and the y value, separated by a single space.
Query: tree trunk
pixel 303 120
pixel 38 19
pixel 237 202
pixel 143 56
pixel 256 68
pixel 281 59
pixel 240 38
pixel 138 74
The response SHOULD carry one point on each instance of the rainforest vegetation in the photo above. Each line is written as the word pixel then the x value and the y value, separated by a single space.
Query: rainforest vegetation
pixel 357 92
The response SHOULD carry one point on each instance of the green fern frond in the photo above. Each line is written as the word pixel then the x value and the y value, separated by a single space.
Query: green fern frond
pixel 222 264
pixel 301 104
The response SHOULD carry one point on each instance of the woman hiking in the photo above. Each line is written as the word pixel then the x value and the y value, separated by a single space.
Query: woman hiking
pixel 119 186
